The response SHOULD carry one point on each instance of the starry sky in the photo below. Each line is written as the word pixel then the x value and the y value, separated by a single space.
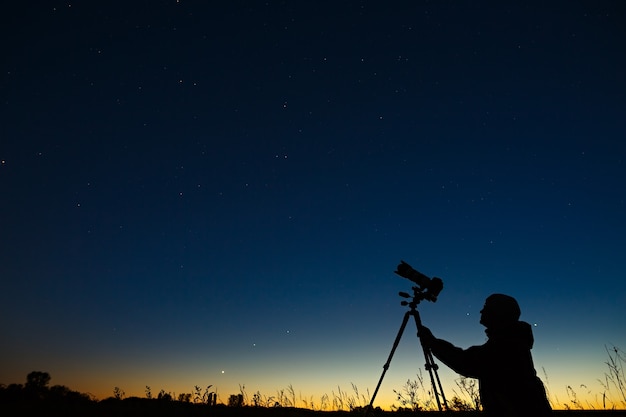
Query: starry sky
pixel 218 193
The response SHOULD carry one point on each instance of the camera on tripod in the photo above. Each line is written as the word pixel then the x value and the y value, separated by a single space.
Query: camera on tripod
pixel 427 289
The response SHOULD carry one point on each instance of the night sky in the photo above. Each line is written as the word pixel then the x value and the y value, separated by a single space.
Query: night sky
pixel 199 192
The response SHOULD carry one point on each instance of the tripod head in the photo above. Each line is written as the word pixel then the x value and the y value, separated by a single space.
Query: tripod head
pixel 426 288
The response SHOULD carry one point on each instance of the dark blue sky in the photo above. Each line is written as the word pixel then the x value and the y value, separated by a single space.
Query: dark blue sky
pixel 193 187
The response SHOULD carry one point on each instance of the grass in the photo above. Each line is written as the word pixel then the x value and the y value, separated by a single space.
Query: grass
pixel 36 398
pixel 613 383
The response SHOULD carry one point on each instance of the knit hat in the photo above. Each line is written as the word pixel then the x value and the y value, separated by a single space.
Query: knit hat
pixel 504 307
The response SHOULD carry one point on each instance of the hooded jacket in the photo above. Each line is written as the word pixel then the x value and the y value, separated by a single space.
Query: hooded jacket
pixel 508 382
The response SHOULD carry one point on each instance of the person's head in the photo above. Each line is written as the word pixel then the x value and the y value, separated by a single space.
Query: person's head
pixel 499 310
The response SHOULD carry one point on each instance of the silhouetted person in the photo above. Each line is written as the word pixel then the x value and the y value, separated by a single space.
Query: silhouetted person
pixel 509 386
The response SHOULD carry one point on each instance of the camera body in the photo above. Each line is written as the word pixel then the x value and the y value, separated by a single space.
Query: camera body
pixel 427 289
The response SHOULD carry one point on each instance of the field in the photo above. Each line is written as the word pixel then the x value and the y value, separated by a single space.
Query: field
pixel 154 408
pixel 37 398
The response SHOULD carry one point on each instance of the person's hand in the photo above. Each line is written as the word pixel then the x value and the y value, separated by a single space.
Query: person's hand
pixel 425 335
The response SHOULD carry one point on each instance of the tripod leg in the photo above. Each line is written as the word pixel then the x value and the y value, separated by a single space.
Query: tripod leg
pixel 443 396
pixel 434 379
pixel 431 367
pixel 393 349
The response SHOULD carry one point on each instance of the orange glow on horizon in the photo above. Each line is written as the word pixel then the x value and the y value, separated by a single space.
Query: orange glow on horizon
pixel 569 396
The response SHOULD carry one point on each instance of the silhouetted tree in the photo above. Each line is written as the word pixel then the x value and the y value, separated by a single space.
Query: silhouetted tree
pixel 36 393
pixel 118 393
pixel 11 393
pixel 164 396
pixel 37 380
pixel 184 397
pixel 61 393
pixel 37 385
pixel 235 400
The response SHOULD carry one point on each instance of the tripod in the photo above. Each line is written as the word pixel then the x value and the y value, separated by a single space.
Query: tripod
pixel 430 365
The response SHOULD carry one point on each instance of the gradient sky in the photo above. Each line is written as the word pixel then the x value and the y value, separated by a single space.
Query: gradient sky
pixel 200 193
